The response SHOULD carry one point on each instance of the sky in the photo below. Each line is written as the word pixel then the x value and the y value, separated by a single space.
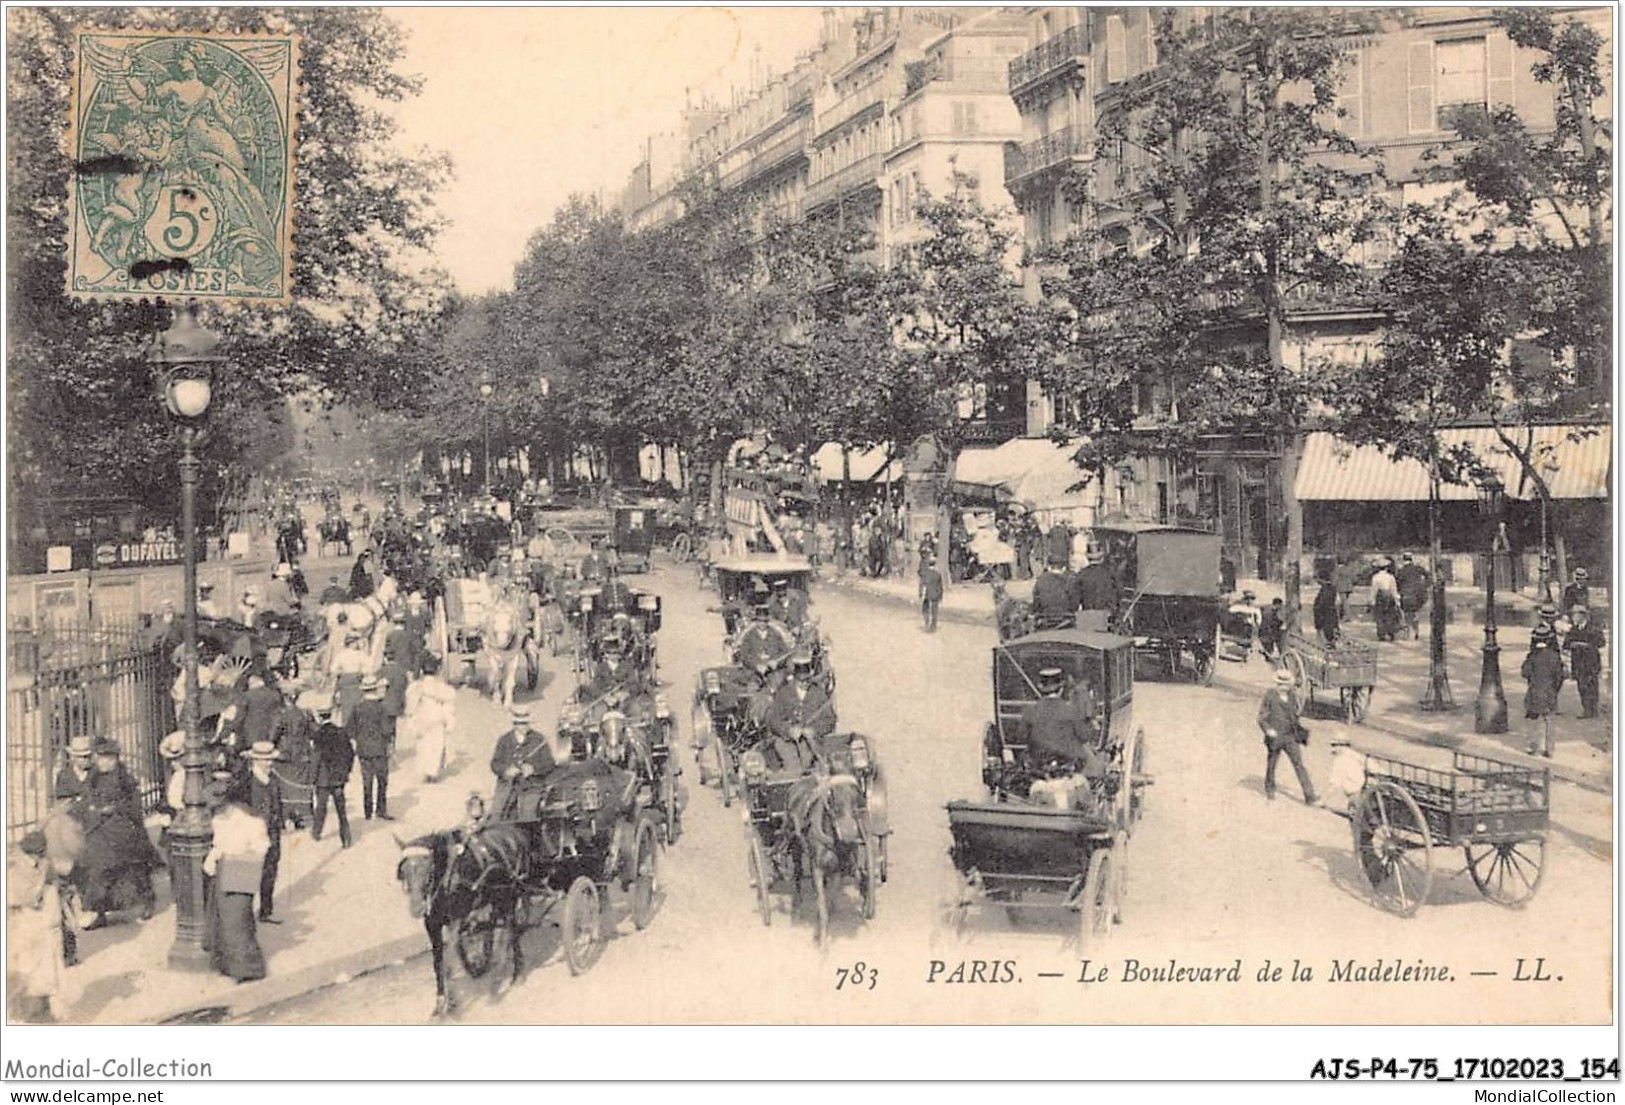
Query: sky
pixel 533 104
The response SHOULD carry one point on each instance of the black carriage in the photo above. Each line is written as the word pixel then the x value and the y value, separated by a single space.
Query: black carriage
pixel 1497 813
pixel 1170 597
pixel 793 836
pixel 1045 836
pixel 638 734
pixel 633 536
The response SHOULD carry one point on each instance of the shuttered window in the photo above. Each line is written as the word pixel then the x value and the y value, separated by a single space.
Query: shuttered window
pixel 1420 87
pixel 1499 71
pixel 1463 80
pixel 1351 96
pixel 1116 49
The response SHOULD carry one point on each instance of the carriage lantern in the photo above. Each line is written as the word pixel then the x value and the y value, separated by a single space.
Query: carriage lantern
pixel 859 748
pixel 184 358
pixel 753 766
pixel 589 796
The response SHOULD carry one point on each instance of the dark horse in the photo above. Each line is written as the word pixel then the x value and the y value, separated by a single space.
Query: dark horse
pixel 472 884
pixel 830 840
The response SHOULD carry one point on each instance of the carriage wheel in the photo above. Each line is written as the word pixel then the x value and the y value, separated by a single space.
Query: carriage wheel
pixel 646 876
pixel 1136 768
pixel 724 772
pixel 821 896
pixel 673 827
pixel 682 547
pixel 1394 847
pixel 885 856
pixel 475 937
pixel 1356 703
pixel 583 929
pixel 1096 903
pixel 1508 872
pixel 1119 865
pixel 756 866
pixel 533 671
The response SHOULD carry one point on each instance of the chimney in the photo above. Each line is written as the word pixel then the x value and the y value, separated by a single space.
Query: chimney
pixel 830 28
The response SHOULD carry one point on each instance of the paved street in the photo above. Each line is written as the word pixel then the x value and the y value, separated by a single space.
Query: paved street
pixel 1217 874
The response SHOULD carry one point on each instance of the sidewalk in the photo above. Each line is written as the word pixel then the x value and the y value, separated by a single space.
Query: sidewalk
pixel 1580 753
pixel 342 911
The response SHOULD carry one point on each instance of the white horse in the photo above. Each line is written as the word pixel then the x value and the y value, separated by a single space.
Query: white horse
pixel 502 640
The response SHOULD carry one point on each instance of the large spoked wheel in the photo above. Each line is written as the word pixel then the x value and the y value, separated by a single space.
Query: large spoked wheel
pixel 583 934
pixel 646 876
pixel 1095 904
pixel 682 548
pixel 1508 872
pixel 673 826
pixel 1394 847
pixel 1356 703
pixel 1293 663
pixel 758 870
pixel 476 940
pixel 1136 760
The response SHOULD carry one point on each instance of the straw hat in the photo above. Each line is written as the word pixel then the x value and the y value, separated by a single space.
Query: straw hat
pixel 81 748
pixel 1285 678
pixel 261 750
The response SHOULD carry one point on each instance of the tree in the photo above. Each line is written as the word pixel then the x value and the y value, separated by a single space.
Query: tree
pixel 84 407
pixel 1227 189
pixel 964 325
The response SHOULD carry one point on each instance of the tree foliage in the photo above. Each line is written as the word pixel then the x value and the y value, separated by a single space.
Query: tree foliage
pixel 83 404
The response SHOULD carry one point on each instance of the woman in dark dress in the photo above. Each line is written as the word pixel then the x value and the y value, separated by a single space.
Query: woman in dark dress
pixel 115 871
pixel 232 868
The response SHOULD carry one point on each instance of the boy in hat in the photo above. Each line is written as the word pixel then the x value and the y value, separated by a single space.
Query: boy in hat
pixel 335 756
pixel 265 800
pixel 1543 672
pixel 372 730
pixel 74 777
pixel 1584 644
pixel 1283 732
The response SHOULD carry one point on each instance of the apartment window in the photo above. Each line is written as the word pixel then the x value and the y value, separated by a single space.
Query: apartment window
pixel 1351 96
pixel 1116 49
pixel 965 117
pixel 1463 77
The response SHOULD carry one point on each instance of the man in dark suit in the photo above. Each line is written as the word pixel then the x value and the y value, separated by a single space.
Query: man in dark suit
pixel 1096 587
pixel 801 708
pixel 1058 729
pixel 930 591
pixel 335 756
pixel 1283 732
pixel 372 730
pixel 787 605
pixel 1584 644
pixel 265 799
pixel 1578 593
pixel 1055 599
pixel 521 754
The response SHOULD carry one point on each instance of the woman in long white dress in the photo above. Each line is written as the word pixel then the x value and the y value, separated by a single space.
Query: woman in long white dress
pixel 430 711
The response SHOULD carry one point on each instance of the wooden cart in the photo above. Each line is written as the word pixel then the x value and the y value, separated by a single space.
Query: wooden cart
pixel 1349 668
pixel 1496 812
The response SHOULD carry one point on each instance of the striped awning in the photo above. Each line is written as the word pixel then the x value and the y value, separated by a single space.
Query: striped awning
pixel 1573 460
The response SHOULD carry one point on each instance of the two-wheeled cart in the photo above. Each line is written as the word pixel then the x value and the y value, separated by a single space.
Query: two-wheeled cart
pixel 1348 667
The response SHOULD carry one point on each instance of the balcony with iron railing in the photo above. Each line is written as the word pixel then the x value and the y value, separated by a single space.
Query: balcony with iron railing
pixel 791 143
pixel 862 173
pixel 1058 146
pixel 1052 56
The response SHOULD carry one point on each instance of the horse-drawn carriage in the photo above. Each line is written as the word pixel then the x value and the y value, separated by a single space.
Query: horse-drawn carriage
pixel 564 842
pixel 632 536
pixel 333 533
pixel 485 634
pixel 818 815
pixel 1050 834
pixel 730 699
pixel 637 733
pixel 1169 588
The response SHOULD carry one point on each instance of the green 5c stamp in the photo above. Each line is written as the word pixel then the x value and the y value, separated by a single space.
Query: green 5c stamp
pixel 183 165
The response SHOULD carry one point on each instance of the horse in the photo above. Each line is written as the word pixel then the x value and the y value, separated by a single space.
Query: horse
pixel 290 540
pixel 468 882
pixel 333 531
pixel 823 816
pixel 503 640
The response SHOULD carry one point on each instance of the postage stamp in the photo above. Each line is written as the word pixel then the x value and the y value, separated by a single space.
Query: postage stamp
pixel 183 168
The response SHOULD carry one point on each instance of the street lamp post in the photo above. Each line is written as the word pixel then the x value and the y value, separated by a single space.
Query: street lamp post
pixel 485 426
pixel 1490 710
pixel 184 354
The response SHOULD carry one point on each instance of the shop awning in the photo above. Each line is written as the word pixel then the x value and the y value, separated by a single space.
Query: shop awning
pixel 1573 460
pixel 866 464
pixel 1030 469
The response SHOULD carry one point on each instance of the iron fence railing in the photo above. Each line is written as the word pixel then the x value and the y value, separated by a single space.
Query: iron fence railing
pixel 1052 149
pixel 90 681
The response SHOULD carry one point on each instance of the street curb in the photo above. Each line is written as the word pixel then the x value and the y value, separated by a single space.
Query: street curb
pixel 249 997
pixel 1597 782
